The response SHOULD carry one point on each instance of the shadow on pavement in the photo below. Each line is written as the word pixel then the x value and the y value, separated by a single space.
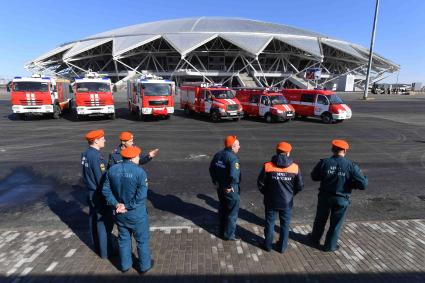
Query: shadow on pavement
pixel 199 215
pixel 243 213
pixel 253 277
pixel 71 213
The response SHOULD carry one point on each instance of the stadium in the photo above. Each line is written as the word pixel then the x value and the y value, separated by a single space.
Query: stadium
pixel 231 51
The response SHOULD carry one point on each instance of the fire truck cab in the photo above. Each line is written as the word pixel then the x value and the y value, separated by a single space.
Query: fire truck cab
pixel 150 96
pixel 266 103
pixel 210 99
pixel 93 96
pixel 39 95
pixel 323 104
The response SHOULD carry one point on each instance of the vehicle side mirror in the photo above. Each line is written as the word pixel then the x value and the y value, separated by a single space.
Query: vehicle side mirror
pixel 114 88
pixel 7 88
pixel 71 90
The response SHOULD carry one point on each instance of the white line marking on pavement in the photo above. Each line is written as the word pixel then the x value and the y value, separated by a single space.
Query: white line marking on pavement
pixel 37 253
pixel 71 252
pixel 20 262
pixel 11 271
pixel 26 271
pixel 240 250
pixel 68 235
pixel 52 266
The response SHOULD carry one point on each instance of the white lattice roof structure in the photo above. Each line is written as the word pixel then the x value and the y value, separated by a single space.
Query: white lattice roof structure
pixel 213 49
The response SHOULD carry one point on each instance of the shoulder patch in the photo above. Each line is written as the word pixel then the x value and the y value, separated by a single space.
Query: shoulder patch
pixel 237 165
pixel 102 167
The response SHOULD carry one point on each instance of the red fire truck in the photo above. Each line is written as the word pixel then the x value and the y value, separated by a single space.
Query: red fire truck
pixel 150 96
pixel 323 104
pixel 210 99
pixel 39 95
pixel 93 96
pixel 267 103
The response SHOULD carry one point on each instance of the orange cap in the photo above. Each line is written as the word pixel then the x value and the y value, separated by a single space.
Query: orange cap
pixel 126 136
pixel 229 140
pixel 342 144
pixel 93 135
pixel 130 152
pixel 284 146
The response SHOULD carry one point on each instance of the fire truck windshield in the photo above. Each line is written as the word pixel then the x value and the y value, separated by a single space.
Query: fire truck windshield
pixel 156 89
pixel 222 94
pixel 31 86
pixel 278 100
pixel 93 87
pixel 335 99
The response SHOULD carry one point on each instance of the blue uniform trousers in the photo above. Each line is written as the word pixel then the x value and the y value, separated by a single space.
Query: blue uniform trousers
pixel 285 219
pixel 101 225
pixel 228 213
pixel 140 231
pixel 337 207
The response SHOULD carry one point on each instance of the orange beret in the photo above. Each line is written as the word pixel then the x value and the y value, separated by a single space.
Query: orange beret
pixel 229 140
pixel 126 136
pixel 130 152
pixel 342 144
pixel 284 146
pixel 96 134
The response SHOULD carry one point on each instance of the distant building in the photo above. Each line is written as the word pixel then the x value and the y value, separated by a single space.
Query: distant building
pixel 232 51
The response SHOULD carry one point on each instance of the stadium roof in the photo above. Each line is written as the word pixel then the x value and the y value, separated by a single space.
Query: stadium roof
pixel 187 34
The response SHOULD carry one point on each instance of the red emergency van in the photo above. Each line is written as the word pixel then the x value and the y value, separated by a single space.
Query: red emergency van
pixel 266 103
pixel 39 95
pixel 214 100
pixel 323 104
pixel 150 95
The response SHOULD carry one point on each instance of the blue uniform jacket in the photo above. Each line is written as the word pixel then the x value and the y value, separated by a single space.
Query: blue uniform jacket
pixel 225 170
pixel 279 181
pixel 115 157
pixel 94 167
pixel 127 183
pixel 338 176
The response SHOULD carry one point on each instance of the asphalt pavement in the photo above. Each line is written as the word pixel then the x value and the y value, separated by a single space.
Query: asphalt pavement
pixel 40 174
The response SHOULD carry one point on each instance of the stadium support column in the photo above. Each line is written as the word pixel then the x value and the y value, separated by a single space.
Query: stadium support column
pixel 372 41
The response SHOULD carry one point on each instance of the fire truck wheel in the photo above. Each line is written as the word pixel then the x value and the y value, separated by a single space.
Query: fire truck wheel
pixel 130 108
pixel 168 117
pixel 327 118
pixel 112 116
pixel 215 116
pixel 56 112
pixel 187 111
pixel 268 118
pixel 22 116
pixel 139 114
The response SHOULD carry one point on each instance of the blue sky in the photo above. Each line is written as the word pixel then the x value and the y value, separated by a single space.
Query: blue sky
pixel 31 28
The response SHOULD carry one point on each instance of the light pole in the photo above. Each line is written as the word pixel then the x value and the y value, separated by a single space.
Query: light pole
pixel 372 41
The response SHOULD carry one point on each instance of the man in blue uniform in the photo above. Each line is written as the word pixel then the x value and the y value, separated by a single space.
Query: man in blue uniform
pixel 127 140
pixel 100 215
pixel 226 176
pixel 338 176
pixel 279 181
pixel 125 188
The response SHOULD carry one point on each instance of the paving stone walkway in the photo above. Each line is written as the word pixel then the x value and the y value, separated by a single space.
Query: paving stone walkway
pixel 391 251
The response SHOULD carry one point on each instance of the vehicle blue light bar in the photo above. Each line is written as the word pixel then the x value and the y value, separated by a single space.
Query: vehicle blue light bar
pixel 17 77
